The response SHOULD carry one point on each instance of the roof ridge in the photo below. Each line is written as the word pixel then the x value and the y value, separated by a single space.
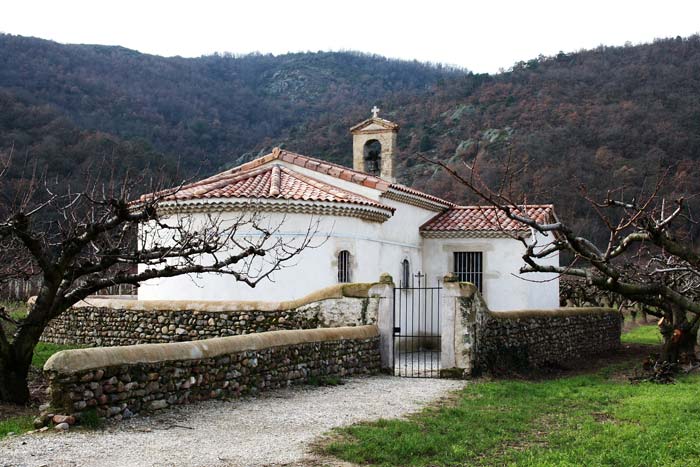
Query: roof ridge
pixel 332 164
pixel 275 181
pixel 330 189
pixel 225 180
pixel 318 184
pixel 256 166
pixel 490 206
pixel 365 176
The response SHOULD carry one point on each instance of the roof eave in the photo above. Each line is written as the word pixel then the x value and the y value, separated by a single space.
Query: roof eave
pixel 368 212
pixel 473 233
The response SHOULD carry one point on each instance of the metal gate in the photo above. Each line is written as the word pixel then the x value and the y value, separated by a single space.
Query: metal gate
pixel 416 338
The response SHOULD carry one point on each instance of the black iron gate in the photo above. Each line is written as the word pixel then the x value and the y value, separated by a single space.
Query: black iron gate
pixel 417 329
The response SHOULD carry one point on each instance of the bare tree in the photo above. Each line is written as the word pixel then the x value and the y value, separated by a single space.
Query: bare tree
pixel 81 242
pixel 648 257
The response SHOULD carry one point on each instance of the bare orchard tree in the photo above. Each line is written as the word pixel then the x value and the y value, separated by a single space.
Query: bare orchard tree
pixel 79 243
pixel 647 258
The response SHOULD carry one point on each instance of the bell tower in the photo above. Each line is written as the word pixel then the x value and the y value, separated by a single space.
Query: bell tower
pixel 374 146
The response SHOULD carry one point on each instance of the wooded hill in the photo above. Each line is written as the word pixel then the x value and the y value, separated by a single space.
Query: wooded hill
pixel 606 118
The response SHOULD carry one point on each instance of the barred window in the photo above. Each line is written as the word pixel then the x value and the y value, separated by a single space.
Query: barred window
pixel 405 273
pixel 344 266
pixel 468 267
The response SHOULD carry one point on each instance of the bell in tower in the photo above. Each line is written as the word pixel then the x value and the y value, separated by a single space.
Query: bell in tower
pixel 374 146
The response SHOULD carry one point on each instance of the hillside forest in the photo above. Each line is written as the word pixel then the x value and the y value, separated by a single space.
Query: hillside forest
pixel 612 118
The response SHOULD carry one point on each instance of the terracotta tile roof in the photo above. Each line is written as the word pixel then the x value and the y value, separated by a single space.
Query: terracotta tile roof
pixel 221 181
pixel 414 192
pixel 272 181
pixel 484 219
pixel 338 171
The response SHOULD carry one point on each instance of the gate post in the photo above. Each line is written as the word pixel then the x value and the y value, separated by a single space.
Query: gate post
pixel 384 289
pixel 448 306
pixel 463 309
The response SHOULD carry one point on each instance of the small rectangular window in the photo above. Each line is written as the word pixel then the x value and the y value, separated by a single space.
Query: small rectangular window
pixel 405 274
pixel 469 267
pixel 344 266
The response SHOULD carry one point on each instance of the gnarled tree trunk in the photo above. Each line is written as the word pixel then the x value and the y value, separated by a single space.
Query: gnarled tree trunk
pixel 680 337
pixel 16 354
pixel 13 379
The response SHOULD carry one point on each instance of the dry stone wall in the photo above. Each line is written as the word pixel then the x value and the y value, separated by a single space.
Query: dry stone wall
pixel 108 322
pixel 477 340
pixel 518 340
pixel 119 382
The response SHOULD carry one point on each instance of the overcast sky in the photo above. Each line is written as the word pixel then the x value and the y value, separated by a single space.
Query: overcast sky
pixel 482 36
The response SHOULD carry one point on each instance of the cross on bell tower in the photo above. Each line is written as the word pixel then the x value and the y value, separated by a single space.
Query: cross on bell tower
pixel 375 111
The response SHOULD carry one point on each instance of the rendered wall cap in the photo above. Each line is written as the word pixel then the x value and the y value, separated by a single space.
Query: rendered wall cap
pixel 552 313
pixel 72 361
pixel 353 290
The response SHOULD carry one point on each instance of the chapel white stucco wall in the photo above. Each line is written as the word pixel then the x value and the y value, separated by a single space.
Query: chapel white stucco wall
pixel 374 247
pixel 504 288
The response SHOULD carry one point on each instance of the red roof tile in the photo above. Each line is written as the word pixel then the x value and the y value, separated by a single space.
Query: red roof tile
pixel 338 171
pixel 269 182
pixel 484 218
pixel 221 184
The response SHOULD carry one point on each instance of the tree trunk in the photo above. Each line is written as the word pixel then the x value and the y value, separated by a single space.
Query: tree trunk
pixel 679 347
pixel 13 380
pixel 679 336
pixel 16 356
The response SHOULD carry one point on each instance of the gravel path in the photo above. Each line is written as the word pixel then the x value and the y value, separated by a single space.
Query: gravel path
pixel 273 429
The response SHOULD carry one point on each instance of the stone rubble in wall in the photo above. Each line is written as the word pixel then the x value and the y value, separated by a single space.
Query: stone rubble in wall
pixel 114 327
pixel 548 340
pixel 122 391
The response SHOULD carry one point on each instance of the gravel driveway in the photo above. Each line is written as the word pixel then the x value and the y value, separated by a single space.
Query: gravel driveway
pixel 273 429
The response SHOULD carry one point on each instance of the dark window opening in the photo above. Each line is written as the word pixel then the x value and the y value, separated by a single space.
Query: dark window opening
pixel 373 157
pixel 344 266
pixel 469 267
pixel 405 273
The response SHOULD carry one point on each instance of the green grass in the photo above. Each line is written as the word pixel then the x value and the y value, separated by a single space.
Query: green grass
pixel 90 420
pixel 581 420
pixel 17 425
pixel 16 309
pixel 44 350
pixel 647 334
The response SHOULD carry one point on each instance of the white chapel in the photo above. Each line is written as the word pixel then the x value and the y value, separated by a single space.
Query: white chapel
pixel 366 224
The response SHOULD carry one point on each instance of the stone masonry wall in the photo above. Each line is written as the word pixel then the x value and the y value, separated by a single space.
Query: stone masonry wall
pixel 538 338
pixel 105 322
pixel 477 340
pixel 118 382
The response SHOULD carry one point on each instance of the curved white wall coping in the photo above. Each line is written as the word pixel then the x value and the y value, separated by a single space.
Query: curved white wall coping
pixel 355 290
pixel 553 313
pixel 73 361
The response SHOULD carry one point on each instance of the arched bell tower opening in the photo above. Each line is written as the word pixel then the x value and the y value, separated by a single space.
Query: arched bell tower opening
pixel 373 157
pixel 374 146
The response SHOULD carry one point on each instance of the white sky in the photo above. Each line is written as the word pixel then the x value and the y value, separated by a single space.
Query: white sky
pixel 482 36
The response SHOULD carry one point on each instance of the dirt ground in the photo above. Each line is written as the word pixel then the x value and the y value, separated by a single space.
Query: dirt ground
pixel 276 428
pixel 37 391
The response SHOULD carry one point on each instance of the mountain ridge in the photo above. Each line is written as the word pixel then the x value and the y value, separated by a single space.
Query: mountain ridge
pixel 611 117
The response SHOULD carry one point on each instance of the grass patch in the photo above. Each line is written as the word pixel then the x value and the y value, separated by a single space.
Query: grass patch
pixel 44 350
pixel 91 420
pixel 648 334
pixel 581 420
pixel 17 425
pixel 324 381
pixel 16 309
